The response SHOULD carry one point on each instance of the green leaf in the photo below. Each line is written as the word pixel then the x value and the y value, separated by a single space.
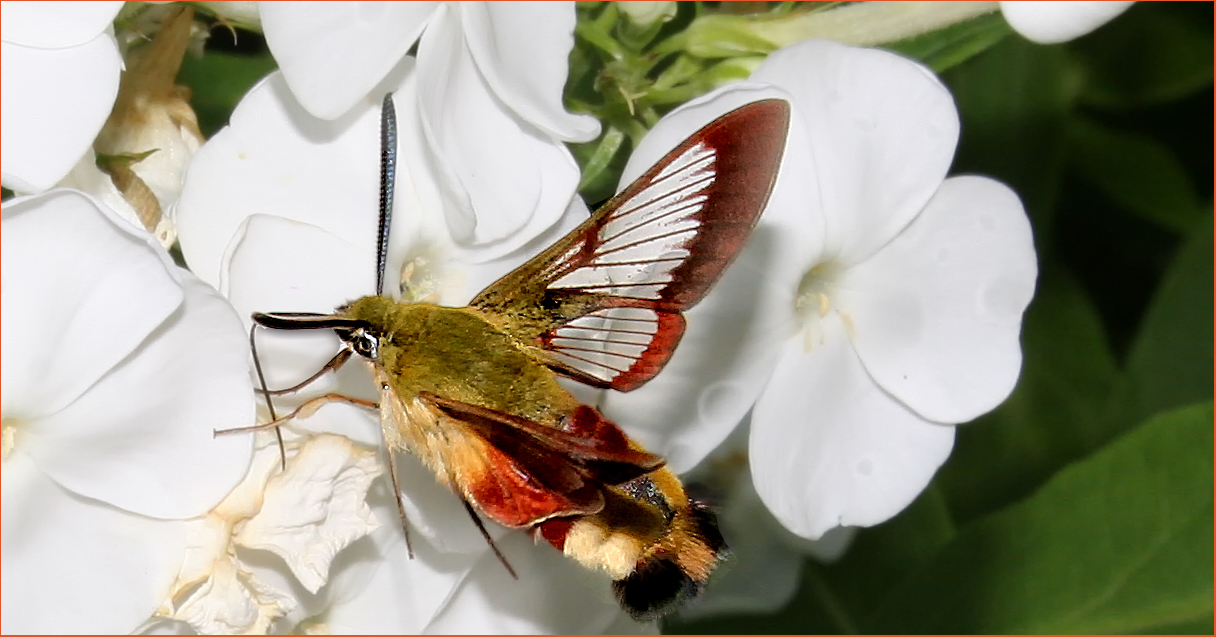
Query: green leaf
pixel 838 597
pixel 1138 172
pixel 1054 415
pixel 1013 100
pixel 1119 542
pixel 944 48
pixel 1170 362
pixel 1156 53
pixel 218 80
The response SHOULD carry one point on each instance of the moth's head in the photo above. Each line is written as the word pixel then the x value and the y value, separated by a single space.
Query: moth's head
pixel 361 340
pixel 362 337
pixel 373 319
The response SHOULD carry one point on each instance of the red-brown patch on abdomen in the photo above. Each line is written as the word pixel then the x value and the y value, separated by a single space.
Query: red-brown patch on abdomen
pixel 555 531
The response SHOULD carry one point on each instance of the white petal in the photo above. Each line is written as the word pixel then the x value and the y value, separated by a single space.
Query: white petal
pixel 276 159
pixel 463 280
pixel 522 50
pixel 81 289
pixel 52 104
pixel 86 177
pixel 1052 22
pixel 733 336
pixel 73 565
pixel 553 595
pixel 142 437
pixel 830 448
pixel 882 130
pixel 209 537
pixel 280 265
pixel 55 25
pixel 315 507
pixel 830 547
pixel 937 312
pixel 233 601
pixel 502 182
pixel 403 594
pixel 333 53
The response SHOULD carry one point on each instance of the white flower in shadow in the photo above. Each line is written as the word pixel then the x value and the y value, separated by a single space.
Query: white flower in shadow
pixel 488 107
pixel 60 76
pixel 1054 22
pixel 877 304
pixel 117 366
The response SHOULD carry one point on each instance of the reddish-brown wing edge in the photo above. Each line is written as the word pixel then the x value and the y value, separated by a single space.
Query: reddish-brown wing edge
pixel 749 143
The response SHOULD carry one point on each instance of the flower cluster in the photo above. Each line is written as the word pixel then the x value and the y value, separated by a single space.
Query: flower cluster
pixel 877 304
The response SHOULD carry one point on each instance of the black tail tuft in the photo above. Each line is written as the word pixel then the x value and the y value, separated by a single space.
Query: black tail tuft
pixel 706 524
pixel 674 573
pixel 655 588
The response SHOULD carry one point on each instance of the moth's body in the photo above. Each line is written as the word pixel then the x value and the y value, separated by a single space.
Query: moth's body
pixel 458 353
pixel 462 355
pixel 473 391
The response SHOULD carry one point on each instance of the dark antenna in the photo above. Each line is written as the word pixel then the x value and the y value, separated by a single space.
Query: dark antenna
pixel 388 177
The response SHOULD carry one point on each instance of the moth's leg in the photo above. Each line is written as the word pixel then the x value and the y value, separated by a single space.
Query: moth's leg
pixel 333 365
pixel 257 365
pixel 486 534
pixel 303 411
pixel 405 524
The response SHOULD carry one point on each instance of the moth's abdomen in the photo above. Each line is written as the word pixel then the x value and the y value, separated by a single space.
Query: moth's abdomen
pixel 665 578
pixel 658 546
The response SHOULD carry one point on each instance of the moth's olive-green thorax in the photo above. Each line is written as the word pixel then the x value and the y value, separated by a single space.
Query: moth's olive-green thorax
pixel 454 352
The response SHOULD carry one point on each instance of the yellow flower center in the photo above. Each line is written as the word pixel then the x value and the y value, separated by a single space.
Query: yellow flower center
pixel 815 300
pixel 419 280
pixel 8 434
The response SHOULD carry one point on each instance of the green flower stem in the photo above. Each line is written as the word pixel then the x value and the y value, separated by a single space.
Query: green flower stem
pixel 604 153
pixel 862 24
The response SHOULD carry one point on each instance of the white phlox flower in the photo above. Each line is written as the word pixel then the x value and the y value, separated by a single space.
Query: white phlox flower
pixel 884 301
pixel 116 367
pixel 1054 22
pixel 488 105
pixel 280 210
pixel 305 514
pixel 59 72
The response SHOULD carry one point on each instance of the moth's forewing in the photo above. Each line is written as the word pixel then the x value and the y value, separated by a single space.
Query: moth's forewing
pixel 602 305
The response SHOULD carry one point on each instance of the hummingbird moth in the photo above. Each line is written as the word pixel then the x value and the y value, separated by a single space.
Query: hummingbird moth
pixel 472 391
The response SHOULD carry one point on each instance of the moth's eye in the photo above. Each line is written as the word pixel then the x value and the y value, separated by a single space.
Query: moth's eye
pixel 365 344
